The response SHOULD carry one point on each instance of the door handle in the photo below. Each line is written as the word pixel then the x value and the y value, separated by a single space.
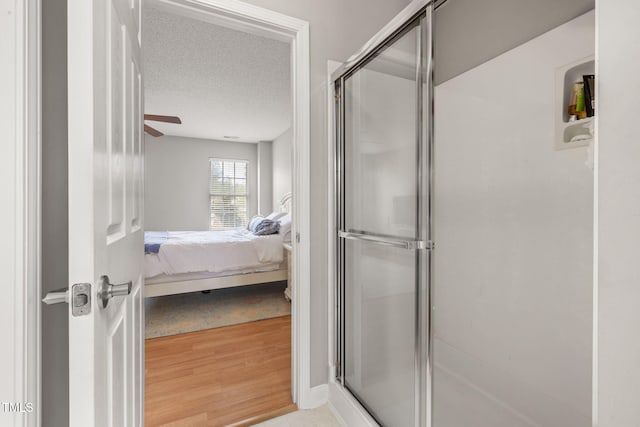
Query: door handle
pixel 108 290
pixel 386 240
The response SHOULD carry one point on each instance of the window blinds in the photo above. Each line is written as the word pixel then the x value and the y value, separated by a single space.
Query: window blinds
pixel 228 195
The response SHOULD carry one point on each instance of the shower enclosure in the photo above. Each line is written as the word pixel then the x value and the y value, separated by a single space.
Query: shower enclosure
pixel 464 234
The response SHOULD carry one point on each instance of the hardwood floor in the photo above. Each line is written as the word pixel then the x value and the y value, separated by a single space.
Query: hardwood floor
pixel 235 375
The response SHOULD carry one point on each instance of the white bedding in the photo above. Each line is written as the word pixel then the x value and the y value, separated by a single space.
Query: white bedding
pixel 213 251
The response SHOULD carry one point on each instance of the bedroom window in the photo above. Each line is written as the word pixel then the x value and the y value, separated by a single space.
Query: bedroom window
pixel 228 194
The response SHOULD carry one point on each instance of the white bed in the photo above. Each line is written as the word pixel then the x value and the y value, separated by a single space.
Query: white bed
pixel 205 260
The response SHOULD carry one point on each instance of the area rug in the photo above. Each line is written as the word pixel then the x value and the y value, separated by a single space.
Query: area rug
pixel 176 314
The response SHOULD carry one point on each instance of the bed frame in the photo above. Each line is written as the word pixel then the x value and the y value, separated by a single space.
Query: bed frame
pixel 186 286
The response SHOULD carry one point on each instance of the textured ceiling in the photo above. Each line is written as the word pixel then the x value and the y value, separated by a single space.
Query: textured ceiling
pixel 220 82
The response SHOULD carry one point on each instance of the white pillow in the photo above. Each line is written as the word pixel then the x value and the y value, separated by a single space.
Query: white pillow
pixel 254 221
pixel 285 227
pixel 274 216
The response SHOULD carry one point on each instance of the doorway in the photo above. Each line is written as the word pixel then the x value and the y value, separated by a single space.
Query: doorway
pixel 252 21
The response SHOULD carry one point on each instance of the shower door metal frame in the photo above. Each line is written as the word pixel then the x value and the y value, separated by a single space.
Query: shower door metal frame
pixel 419 11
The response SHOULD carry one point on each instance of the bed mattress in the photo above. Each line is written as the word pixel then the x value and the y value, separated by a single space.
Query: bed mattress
pixel 219 252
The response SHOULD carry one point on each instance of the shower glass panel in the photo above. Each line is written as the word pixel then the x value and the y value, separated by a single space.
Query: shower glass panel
pixel 380 330
pixel 380 141
pixel 382 240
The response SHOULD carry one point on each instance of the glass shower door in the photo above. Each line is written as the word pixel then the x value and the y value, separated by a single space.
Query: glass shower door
pixel 383 234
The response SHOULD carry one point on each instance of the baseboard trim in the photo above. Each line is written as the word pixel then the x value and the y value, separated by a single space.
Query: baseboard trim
pixel 314 397
pixel 346 409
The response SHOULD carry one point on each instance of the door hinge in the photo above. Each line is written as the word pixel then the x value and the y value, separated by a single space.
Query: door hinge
pixel 337 96
pixel 297 237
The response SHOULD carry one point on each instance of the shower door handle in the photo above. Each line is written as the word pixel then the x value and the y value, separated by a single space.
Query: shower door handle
pixel 386 240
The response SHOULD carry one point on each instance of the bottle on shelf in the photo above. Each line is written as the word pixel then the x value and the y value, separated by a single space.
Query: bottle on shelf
pixel 589 94
pixel 577 102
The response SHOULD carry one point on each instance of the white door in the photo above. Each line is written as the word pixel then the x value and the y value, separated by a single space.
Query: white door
pixel 105 210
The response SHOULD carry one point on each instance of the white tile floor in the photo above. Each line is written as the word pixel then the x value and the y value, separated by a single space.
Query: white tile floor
pixel 318 417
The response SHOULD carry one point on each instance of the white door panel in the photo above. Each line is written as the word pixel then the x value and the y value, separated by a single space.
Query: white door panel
pixel 105 209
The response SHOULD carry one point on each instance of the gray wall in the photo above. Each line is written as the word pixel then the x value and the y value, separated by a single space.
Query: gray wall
pixel 618 367
pixel 265 178
pixel 55 336
pixel 176 180
pixel 282 164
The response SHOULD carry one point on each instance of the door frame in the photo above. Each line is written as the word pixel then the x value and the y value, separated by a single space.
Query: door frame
pixel 20 46
pixel 262 22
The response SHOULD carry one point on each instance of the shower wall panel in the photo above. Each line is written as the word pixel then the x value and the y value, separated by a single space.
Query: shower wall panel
pixel 513 227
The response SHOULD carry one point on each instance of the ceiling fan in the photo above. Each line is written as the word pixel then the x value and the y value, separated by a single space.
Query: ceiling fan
pixel 156 118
